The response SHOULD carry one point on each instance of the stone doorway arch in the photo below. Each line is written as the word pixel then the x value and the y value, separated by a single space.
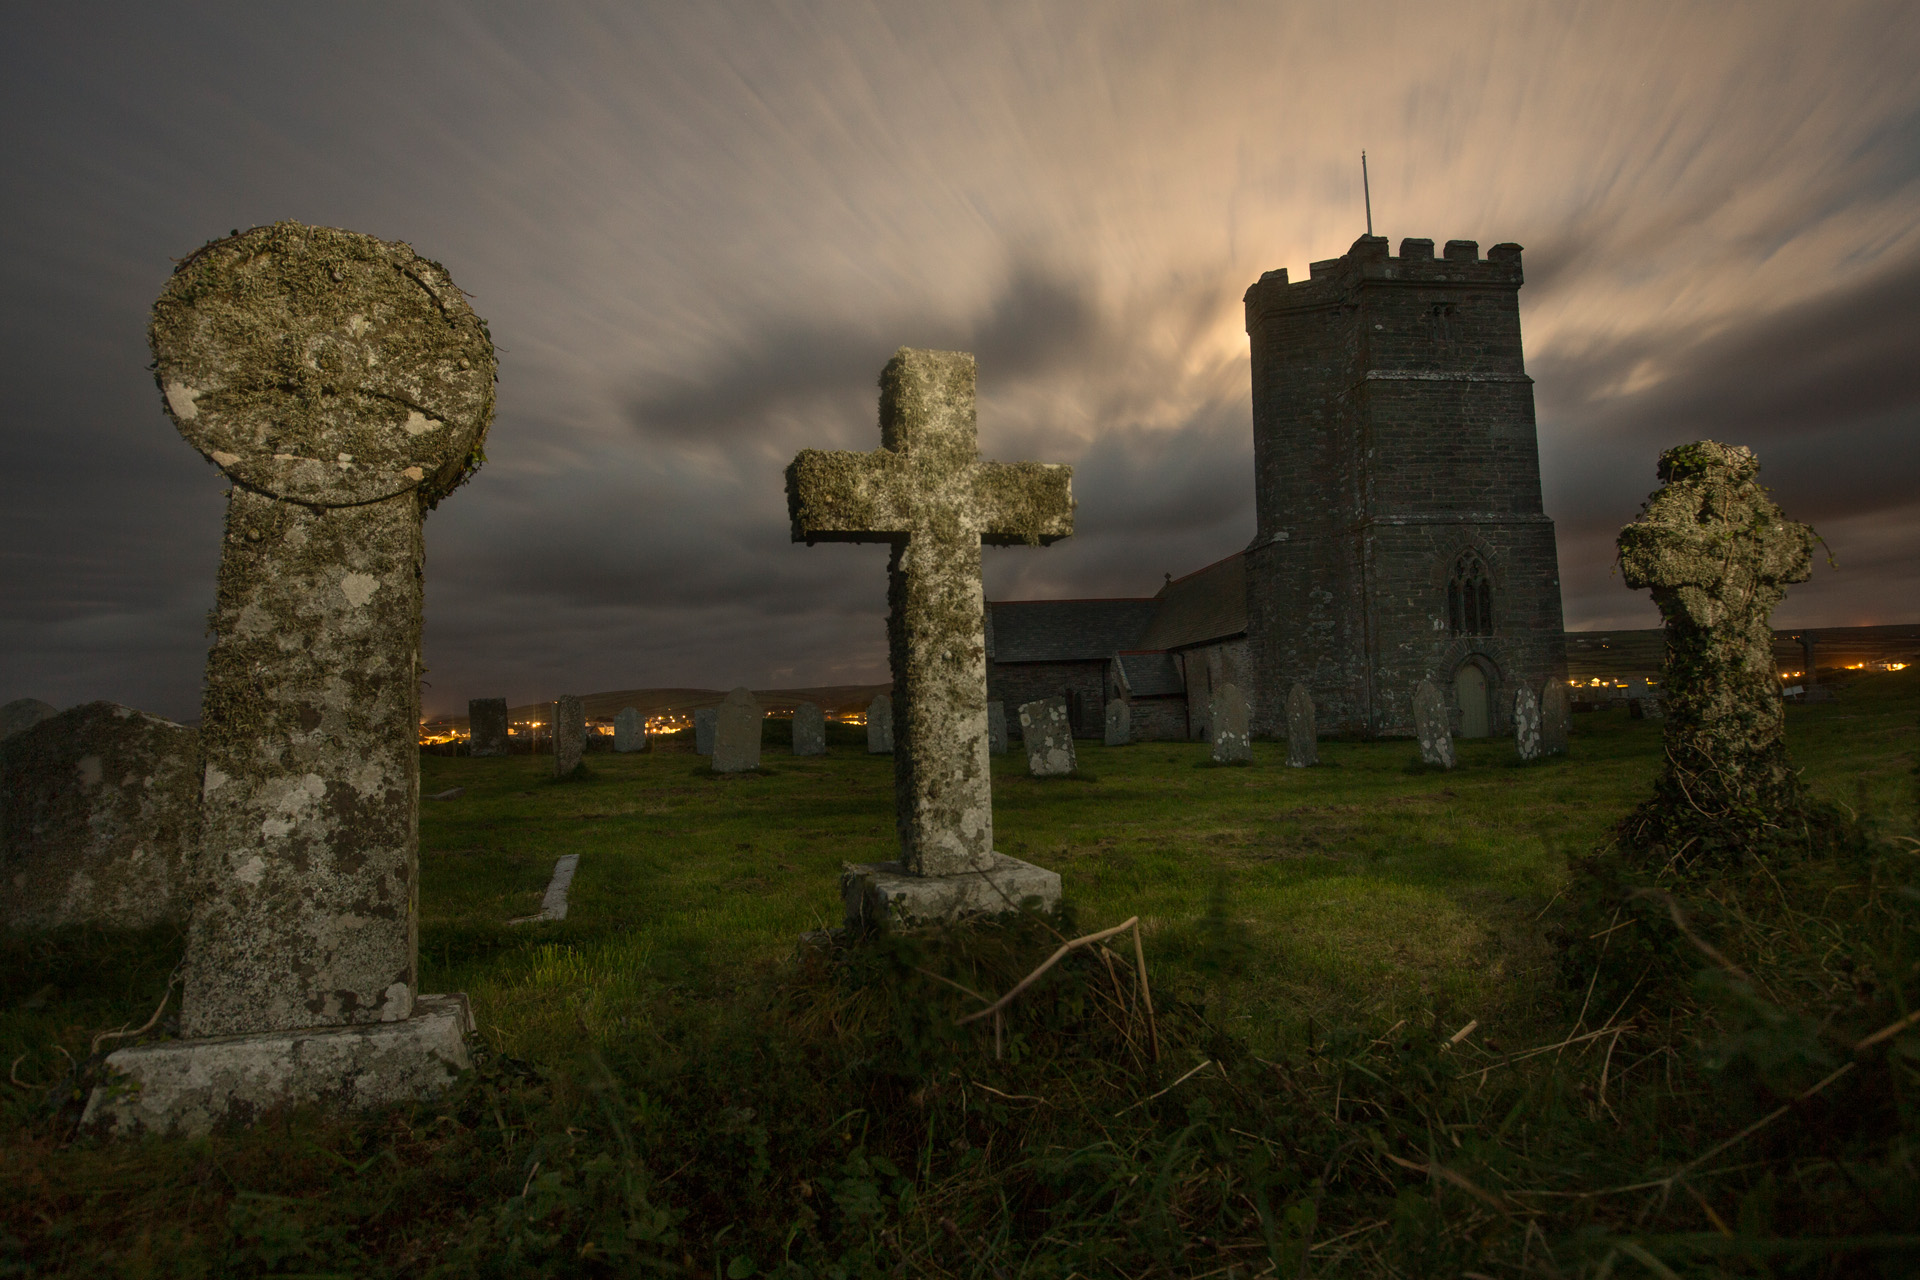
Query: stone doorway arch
pixel 1473 694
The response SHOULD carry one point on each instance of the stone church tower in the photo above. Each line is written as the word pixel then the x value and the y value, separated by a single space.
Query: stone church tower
pixel 1397 481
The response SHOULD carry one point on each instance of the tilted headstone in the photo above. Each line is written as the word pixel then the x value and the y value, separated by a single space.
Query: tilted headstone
pixel 927 492
pixel 1119 723
pixel 736 733
pixel 1303 739
pixel 630 731
pixel 1556 715
pixel 1047 730
pixel 1232 744
pixel 1718 555
pixel 1526 724
pixel 880 726
pixel 569 734
pixel 704 720
pixel 99 815
pixel 1432 726
pixel 345 386
pixel 997 728
pixel 487 732
pixel 809 730
pixel 24 713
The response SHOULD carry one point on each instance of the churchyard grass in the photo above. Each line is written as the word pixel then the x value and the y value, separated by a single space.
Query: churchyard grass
pixel 672 1077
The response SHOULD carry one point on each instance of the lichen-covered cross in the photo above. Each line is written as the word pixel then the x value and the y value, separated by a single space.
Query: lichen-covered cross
pixel 927 492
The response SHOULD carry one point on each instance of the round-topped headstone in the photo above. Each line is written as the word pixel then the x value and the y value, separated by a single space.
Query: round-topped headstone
pixel 324 366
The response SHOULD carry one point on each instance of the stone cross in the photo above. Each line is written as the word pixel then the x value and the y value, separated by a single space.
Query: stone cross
pixel 569 734
pixel 1119 726
pixel 345 386
pixel 487 727
pixel 927 492
pixel 1303 740
pixel 1432 727
pixel 1232 744
pixel 1526 724
pixel 1718 555
pixel 809 730
pixel 736 733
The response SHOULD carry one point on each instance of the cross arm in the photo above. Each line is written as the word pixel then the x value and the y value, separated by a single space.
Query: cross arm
pixel 837 496
pixel 1030 502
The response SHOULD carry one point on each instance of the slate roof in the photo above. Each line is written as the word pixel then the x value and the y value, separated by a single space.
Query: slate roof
pixel 1151 675
pixel 1065 630
pixel 1208 604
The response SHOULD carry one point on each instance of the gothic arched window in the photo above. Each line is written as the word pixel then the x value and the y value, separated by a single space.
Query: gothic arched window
pixel 1470 596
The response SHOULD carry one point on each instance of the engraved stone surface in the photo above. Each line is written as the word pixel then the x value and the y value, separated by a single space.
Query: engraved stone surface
pixel 24 713
pixel 880 726
pixel 1232 744
pixel 928 494
pixel 569 734
pixel 1303 739
pixel 1048 734
pixel 997 728
pixel 346 386
pixel 629 731
pixel 704 720
pixel 1718 555
pixel 99 815
pixel 1432 726
pixel 1526 724
pixel 1119 726
pixel 191 1087
pixel 487 727
pixel 809 730
pixel 736 733
pixel 1556 715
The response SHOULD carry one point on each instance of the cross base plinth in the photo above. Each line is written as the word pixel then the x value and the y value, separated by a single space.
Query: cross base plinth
pixel 191 1087
pixel 884 895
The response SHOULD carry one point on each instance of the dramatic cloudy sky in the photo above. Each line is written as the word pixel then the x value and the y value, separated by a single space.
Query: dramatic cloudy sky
pixel 698 231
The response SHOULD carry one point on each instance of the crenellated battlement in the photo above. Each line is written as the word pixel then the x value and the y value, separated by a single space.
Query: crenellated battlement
pixel 1459 262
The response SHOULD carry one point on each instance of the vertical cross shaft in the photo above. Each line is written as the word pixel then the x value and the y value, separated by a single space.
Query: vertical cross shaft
pixel 927 493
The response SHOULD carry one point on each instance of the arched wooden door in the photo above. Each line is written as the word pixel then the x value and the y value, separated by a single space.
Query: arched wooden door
pixel 1470 690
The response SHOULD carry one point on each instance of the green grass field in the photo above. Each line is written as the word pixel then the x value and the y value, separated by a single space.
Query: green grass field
pixel 671 1077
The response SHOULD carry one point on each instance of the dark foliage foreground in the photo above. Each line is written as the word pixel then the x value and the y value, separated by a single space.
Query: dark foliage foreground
pixel 1735 1094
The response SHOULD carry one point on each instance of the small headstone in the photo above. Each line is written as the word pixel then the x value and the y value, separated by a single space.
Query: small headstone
pixel 1431 726
pixel 1526 724
pixel 704 720
pixel 997 728
pixel 880 726
pixel 1303 740
pixel 1555 715
pixel 569 734
pixel 24 713
pixel 1048 732
pixel 1232 744
pixel 809 730
pixel 630 731
pixel 99 811
pixel 451 793
pixel 736 734
pixel 1119 723
pixel 487 727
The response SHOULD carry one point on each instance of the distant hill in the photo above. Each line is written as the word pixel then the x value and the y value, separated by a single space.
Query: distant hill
pixel 1620 654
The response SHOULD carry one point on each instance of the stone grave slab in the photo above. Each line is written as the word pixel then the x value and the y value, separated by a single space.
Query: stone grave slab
pixel 1047 731
pixel 1232 743
pixel 1119 723
pixel 1526 724
pixel 928 494
pixel 880 726
pixel 487 730
pixel 704 720
pixel 736 733
pixel 1303 738
pixel 630 731
pixel 99 817
pixel 345 385
pixel 809 730
pixel 569 734
pixel 997 728
pixel 1556 716
pixel 1432 726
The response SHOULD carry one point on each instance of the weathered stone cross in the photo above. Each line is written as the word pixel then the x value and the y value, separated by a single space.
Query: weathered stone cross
pixel 927 492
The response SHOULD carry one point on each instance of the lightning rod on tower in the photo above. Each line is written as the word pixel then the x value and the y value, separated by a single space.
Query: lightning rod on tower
pixel 1366 192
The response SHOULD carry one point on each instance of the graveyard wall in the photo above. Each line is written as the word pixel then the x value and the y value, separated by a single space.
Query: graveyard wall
pixel 1393 427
